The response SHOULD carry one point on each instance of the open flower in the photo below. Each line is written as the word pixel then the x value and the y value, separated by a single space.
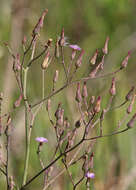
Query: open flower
pixel 75 47
pixel 90 175
pixel 41 140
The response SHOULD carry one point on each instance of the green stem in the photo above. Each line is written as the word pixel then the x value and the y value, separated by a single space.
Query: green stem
pixel 43 83
pixel 26 127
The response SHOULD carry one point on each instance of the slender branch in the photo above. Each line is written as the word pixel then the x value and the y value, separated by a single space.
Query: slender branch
pixel 71 83
pixel 69 150
pixel 38 56
pixel 3 171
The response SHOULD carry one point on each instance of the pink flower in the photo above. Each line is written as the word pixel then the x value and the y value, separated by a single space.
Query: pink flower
pixel 41 139
pixel 75 47
pixel 90 175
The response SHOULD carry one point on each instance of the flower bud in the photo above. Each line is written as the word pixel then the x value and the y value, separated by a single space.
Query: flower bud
pixel 94 57
pixel 62 38
pixel 58 111
pixel 129 109
pixel 78 97
pixel 97 107
pixel 39 25
pixel 105 49
pixel 79 60
pixel 113 88
pixel 125 61
pixel 84 91
pixel 130 124
pixel 130 93
pixel 45 63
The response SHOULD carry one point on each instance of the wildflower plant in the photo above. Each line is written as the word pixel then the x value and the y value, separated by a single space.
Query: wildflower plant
pixel 68 147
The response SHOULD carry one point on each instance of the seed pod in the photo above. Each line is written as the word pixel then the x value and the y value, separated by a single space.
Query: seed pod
pixel 105 49
pixel 125 61
pixel 58 111
pixel 79 60
pixel 113 88
pixel 78 97
pixel 39 25
pixel 84 91
pixel 97 107
pixel 60 118
pixel 94 57
pixel 130 124
pixel 62 38
pixel 46 62
pixel 129 109
pixel 130 93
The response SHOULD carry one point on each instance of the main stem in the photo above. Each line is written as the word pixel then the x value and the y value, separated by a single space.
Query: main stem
pixel 26 128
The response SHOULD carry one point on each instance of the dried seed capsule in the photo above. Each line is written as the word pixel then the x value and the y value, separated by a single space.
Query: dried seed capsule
pixel 125 61
pixel 84 91
pixel 130 93
pixel 129 109
pixel 39 25
pixel 94 57
pixel 79 60
pixel 62 38
pixel 78 97
pixel 46 62
pixel 58 111
pixel 113 88
pixel 97 107
pixel 105 49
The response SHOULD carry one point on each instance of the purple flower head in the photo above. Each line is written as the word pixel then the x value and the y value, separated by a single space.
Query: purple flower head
pixel 75 47
pixel 41 139
pixel 90 175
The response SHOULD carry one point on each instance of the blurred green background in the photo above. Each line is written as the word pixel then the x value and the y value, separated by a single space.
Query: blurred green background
pixel 86 23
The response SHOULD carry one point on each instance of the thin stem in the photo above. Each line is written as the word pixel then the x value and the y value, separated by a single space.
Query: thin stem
pixel 63 63
pixel 7 160
pixel 26 127
pixel 43 84
pixel 69 150
pixel 3 171
pixel 71 83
